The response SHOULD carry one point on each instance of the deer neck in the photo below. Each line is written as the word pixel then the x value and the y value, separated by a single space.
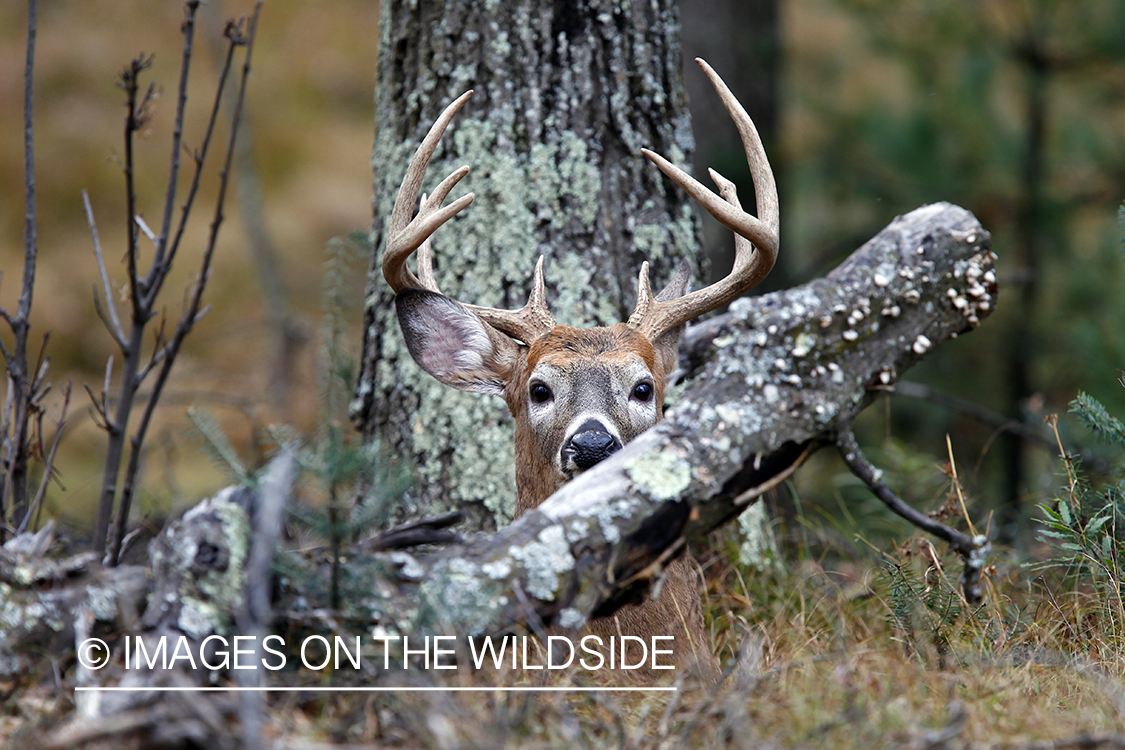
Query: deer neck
pixel 535 481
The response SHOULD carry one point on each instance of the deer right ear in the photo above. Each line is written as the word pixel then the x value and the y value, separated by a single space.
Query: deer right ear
pixel 451 343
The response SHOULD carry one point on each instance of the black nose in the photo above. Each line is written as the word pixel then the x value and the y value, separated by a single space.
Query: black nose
pixel 590 447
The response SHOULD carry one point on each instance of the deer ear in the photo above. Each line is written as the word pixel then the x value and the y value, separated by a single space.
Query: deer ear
pixel 667 347
pixel 451 343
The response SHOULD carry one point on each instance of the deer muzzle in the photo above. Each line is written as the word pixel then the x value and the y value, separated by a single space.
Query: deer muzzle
pixel 590 444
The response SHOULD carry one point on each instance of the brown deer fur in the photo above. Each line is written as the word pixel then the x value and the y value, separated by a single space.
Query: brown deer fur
pixel 571 350
pixel 677 611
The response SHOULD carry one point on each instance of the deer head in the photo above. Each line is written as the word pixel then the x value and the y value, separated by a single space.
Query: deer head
pixel 576 395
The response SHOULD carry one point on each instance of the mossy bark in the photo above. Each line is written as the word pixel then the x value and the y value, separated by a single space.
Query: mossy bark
pixel 566 96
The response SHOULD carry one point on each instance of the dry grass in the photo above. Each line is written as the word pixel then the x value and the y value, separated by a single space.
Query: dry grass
pixel 822 663
pixel 825 651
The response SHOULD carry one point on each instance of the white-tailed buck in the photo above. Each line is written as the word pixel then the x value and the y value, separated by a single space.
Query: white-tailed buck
pixel 577 395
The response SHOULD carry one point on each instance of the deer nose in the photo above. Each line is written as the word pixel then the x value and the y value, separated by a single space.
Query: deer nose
pixel 590 445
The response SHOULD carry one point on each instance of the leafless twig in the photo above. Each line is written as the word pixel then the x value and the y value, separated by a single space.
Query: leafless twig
pixel 238 34
pixel 25 385
pixel 144 288
pixel 48 463
pixel 113 325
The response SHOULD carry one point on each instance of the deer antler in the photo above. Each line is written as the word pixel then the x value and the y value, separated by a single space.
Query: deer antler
pixel 752 262
pixel 405 235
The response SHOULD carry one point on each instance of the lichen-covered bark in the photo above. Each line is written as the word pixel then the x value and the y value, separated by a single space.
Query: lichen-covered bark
pixel 41 599
pixel 566 96
pixel 206 570
pixel 198 566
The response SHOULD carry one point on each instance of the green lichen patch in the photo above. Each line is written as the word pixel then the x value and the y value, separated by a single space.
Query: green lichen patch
pixel 570 617
pixel 454 596
pixel 663 476
pixel 544 560
pixel 209 595
pixel 759 544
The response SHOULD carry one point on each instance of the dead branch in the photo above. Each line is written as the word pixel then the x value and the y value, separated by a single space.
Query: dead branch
pixel 22 384
pixel 973 549
pixel 239 35
pixel 48 463
pixel 143 290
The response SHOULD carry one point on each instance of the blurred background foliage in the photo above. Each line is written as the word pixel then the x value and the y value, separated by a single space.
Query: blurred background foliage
pixel 1014 109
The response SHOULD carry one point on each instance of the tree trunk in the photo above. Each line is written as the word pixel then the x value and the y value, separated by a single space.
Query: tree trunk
pixel 566 96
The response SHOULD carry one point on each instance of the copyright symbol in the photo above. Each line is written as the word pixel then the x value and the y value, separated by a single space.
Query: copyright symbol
pixel 93 653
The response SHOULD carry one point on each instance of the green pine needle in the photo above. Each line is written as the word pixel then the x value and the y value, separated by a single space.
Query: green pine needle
pixel 1100 421
pixel 218 446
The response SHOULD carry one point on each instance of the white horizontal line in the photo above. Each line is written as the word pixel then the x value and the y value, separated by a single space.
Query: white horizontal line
pixel 322 689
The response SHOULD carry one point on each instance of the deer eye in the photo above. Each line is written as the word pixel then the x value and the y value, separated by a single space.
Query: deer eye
pixel 642 391
pixel 539 393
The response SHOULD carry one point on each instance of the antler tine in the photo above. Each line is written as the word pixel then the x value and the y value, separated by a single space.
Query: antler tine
pixel 765 189
pixel 654 317
pixel 529 322
pixel 405 235
pixel 426 257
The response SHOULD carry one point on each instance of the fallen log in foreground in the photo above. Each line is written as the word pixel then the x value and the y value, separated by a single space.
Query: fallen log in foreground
pixel 773 380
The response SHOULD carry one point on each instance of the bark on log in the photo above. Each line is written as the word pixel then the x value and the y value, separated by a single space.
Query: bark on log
pixel 211 577
pixel 41 599
pixel 567 94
